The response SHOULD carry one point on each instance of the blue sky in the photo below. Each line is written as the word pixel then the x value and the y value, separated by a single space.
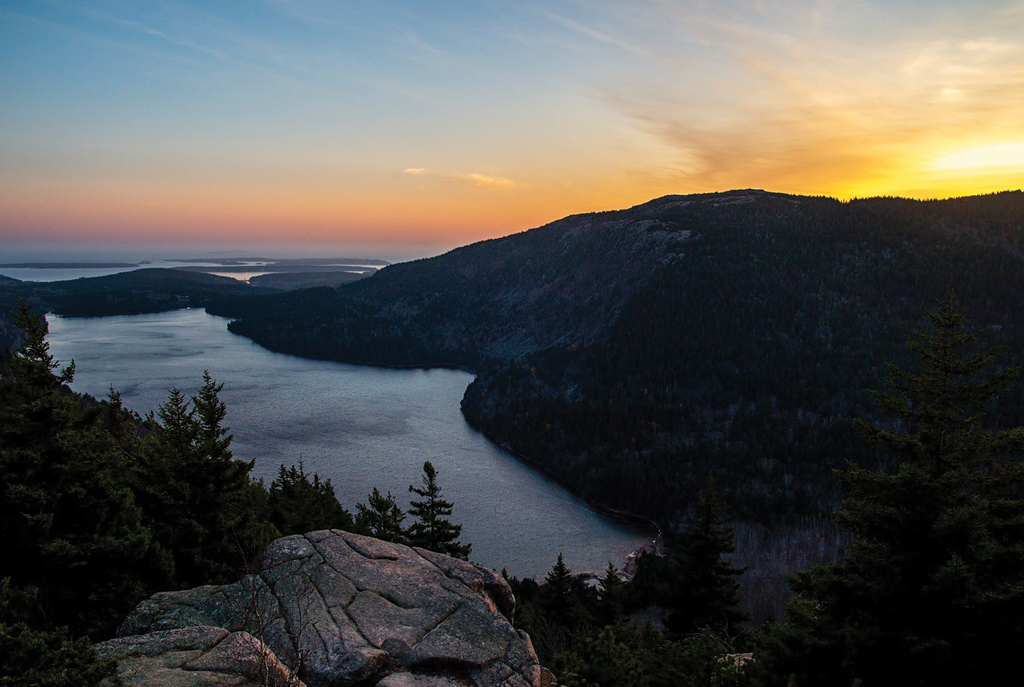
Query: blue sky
pixel 436 124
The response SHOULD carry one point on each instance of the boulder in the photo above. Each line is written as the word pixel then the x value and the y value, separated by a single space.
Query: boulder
pixel 339 609
pixel 196 657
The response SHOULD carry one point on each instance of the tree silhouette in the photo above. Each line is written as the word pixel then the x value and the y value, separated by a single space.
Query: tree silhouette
pixel 198 498
pixel 557 594
pixel 381 517
pixel 432 530
pixel 932 589
pixel 610 595
pixel 705 586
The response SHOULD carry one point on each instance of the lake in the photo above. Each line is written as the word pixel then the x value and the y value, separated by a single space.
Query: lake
pixel 359 426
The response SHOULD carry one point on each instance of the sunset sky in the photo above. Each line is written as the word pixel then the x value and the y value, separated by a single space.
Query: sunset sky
pixel 419 126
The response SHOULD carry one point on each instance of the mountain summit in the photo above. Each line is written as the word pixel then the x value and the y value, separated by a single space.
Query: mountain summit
pixel 631 352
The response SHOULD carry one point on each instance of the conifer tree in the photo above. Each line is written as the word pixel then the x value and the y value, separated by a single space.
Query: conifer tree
pixel 932 589
pixel 199 498
pixel 557 597
pixel 610 596
pixel 71 531
pixel 381 517
pixel 705 587
pixel 432 530
pixel 298 504
pixel 227 499
pixel 212 438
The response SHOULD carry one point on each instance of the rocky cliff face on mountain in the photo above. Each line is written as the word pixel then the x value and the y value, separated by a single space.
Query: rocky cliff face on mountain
pixel 331 608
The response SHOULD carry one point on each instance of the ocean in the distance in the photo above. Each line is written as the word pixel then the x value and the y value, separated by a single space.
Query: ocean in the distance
pixel 359 426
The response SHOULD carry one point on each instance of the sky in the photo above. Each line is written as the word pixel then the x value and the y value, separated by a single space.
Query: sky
pixel 406 128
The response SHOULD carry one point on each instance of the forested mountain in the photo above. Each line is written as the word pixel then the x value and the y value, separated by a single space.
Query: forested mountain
pixel 155 289
pixel 126 293
pixel 559 285
pixel 749 355
pixel 630 352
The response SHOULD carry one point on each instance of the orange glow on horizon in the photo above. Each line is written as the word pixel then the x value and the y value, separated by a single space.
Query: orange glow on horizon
pixel 432 215
pixel 196 122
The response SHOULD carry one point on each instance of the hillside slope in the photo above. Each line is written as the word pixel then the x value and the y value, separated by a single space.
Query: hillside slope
pixel 631 352
pixel 558 285
pixel 126 293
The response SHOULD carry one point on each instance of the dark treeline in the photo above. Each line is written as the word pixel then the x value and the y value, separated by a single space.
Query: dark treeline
pixel 100 508
pixel 929 592
pixel 750 355
pixel 629 353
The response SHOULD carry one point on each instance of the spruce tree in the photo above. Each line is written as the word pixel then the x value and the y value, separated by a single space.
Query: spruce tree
pixel 198 497
pixel 610 596
pixel 381 517
pixel 71 531
pixel 298 504
pixel 432 530
pixel 931 591
pixel 705 590
pixel 212 437
pixel 557 595
pixel 227 498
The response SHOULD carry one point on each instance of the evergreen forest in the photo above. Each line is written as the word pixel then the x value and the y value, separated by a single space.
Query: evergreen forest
pixel 102 507
pixel 735 367
pixel 630 353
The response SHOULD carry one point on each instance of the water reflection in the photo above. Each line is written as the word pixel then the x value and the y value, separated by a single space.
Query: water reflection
pixel 359 426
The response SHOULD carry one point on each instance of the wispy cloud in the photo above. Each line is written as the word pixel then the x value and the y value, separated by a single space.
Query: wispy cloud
pixel 177 31
pixel 810 103
pixel 598 35
pixel 463 179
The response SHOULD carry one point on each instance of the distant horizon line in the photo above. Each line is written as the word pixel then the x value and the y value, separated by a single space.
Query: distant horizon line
pixel 106 250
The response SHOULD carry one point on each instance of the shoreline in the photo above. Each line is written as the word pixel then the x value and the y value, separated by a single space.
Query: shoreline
pixel 637 533
pixel 625 516
pixel 652 545
pixel 628 567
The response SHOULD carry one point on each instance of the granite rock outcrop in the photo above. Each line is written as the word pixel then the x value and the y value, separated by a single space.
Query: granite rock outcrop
pixel 333 609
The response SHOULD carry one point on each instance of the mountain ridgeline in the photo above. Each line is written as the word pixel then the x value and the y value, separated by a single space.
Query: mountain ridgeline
pixel 155 289
pixel 630 352
pixel 492 301
pixel 140 291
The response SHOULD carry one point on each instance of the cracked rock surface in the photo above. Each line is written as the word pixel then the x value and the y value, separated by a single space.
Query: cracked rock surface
pixel 344 609
pixel 196 657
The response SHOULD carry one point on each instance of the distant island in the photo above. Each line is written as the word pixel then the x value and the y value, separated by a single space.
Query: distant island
pixel 283 262
pixel 194 282
pixel 68 265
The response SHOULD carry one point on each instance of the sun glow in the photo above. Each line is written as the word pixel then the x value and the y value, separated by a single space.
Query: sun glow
pixel 1002 155
pixel 191 121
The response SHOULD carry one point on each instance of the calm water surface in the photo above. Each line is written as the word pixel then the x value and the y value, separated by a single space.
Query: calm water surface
pixel 359 426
